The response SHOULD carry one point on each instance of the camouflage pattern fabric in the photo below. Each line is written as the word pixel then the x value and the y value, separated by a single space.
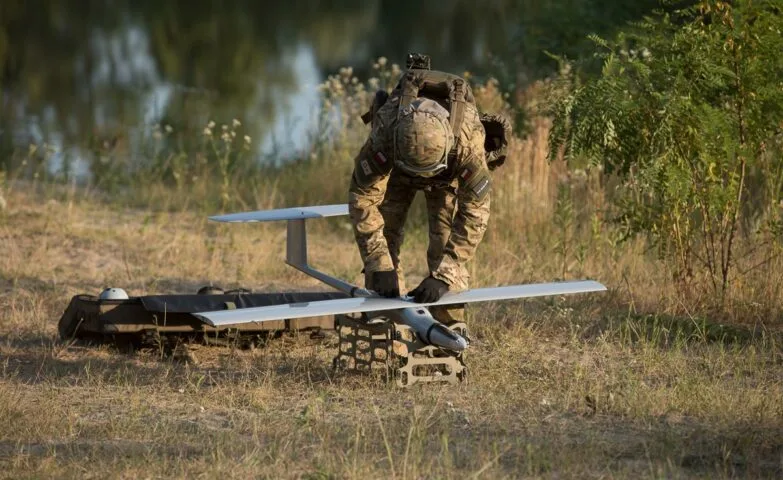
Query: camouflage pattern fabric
pixel 458 201
pixel 422 138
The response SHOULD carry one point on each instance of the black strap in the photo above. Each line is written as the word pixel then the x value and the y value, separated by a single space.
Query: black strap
pixel 429 330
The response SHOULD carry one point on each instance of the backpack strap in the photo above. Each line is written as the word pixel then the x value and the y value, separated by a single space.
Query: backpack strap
pixel 380 99
pixel 457 114
pixel 410 85
pixel 438 86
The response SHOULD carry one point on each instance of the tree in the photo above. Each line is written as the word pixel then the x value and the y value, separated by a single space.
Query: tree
pixel 685 113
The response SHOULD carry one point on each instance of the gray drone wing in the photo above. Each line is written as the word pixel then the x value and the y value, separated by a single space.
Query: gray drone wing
pixel 295 213
pixel 374 304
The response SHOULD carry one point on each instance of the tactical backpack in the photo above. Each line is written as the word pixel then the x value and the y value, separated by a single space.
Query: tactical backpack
pixel 452 92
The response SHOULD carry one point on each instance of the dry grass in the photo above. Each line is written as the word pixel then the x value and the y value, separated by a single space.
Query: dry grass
pixel 580 387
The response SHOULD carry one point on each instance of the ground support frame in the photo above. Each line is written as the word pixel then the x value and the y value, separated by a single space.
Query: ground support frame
pixel 369 344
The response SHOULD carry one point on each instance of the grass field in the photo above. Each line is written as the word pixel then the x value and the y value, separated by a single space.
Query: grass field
pixel 612 385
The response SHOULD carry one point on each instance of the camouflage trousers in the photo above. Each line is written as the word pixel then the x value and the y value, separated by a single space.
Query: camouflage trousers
pixel 441 204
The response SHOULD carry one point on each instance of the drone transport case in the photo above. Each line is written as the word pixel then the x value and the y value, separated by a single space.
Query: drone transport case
pixel 91 316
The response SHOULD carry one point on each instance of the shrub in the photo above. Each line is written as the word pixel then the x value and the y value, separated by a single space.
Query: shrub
pixel 686 112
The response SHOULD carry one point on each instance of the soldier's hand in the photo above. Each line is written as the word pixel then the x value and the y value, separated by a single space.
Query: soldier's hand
pixel 386 284
pixel 429 290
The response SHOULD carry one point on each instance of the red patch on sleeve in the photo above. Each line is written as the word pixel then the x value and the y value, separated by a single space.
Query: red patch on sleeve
pixel 380 157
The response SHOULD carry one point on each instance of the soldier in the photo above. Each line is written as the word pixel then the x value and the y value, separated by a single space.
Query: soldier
pixel 426 136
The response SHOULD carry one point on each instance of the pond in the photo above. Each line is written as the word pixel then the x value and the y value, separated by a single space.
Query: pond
pixel 76 70
pixel 80 72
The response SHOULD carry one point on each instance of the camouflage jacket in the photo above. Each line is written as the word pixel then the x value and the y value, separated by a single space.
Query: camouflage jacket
pixel 467 176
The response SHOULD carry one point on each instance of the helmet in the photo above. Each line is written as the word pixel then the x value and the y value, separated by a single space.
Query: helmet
pixel 113 294
pixel 422 138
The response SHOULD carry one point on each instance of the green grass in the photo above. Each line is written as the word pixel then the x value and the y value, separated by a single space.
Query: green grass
pixel 646 380
pixel 576 387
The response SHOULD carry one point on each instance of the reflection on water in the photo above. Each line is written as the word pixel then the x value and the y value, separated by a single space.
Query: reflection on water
pixel 297 110
pixel 78 72
pixel 83 74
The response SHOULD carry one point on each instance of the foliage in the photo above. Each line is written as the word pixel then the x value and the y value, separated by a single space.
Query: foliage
pixel 564 25
pixel 688 112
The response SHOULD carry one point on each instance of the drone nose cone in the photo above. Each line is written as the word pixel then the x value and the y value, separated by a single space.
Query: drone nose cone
pixel 428 329
pixel 443 337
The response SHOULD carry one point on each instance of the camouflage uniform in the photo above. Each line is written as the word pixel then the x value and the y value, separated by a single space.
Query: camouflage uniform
pixel 458 201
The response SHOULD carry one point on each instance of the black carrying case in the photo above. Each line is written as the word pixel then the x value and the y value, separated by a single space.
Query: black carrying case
pixel 88 315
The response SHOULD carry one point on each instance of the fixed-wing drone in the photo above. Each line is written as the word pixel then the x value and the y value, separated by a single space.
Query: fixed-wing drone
pixel 401 310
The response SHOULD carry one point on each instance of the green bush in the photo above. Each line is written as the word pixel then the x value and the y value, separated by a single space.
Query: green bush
pixel 687 114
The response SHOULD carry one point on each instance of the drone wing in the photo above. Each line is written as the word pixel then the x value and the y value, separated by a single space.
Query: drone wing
pixel 374 304
pixel 295 213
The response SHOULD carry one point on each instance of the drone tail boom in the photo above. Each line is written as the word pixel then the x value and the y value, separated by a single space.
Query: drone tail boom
pixel 296 238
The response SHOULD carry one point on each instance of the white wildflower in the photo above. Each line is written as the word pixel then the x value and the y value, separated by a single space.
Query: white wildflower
pixel 382 61
pixel 236 123
pixel 169 129
pixel 248 139
pixel 211 124
pixel 208 132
